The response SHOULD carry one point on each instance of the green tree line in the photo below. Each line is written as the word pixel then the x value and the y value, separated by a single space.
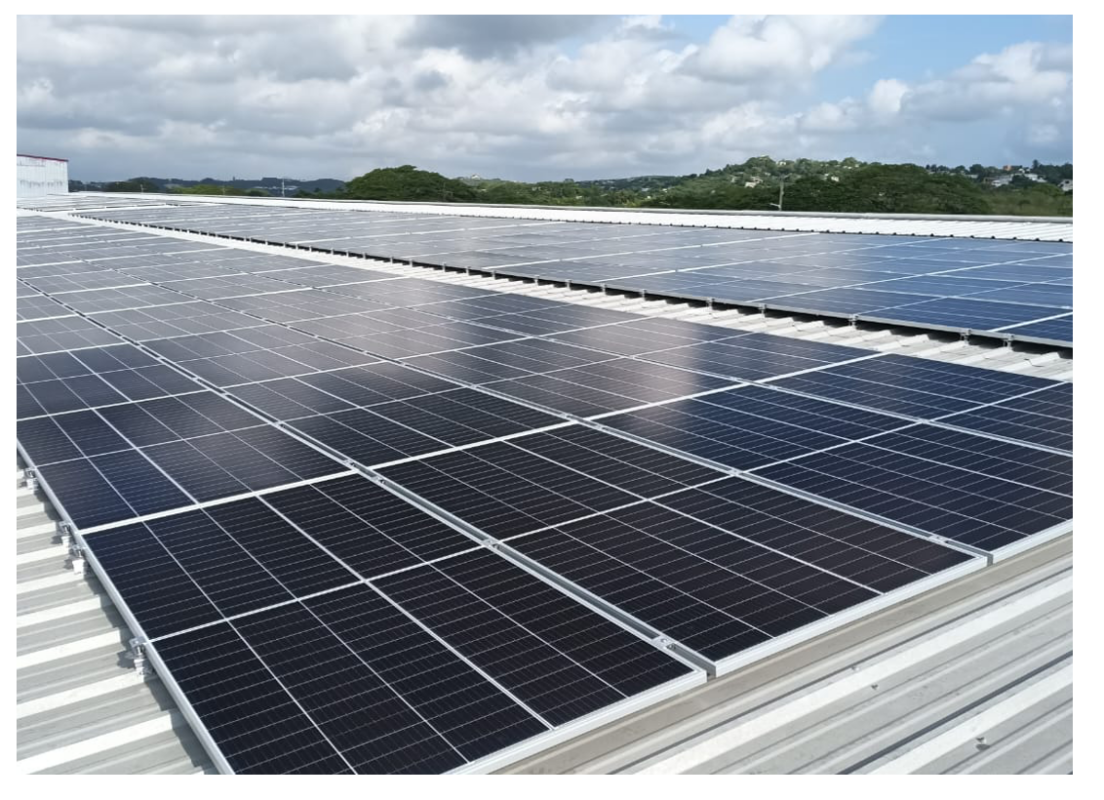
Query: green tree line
pixel 846 185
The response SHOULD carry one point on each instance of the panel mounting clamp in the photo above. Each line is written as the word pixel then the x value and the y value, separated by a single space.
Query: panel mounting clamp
pixel 137 654
pixel 77 560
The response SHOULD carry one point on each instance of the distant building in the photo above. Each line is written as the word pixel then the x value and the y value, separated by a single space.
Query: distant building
pixel 752 183
pixel 36 176
pixel 1066 185
pixel 1001 180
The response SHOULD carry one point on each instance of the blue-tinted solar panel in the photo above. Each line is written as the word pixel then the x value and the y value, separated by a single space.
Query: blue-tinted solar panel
pixel 751 427
pixel 1052 330
pixel 965 488
pixel 911 386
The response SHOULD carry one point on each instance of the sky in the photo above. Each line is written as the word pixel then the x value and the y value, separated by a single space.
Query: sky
pixel 536 98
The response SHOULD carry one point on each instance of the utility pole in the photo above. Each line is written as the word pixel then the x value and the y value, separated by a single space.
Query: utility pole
pixel 781 192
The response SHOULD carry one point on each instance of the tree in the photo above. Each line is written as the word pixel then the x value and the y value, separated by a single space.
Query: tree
pixel 408 183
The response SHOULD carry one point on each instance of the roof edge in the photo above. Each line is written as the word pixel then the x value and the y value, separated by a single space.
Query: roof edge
pixel 44 158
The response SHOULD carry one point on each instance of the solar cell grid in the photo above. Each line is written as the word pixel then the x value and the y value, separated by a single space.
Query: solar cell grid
pixel 1043 418
pixel 63 284
pixel 607 386
pixel 755 356
pixel 508 360
pixel 749 427
pixel 752 571
pixel 100 300
pixel 111 487
pixel 370 530
pixel 326 275
pixel 557 657
pixel 1059 330
pixel 39 307
pixel 64 333
pixel 145 325
pixel 912 387
pixel 240 285
pixel 966 314
pixel 985 493
pixel 544 479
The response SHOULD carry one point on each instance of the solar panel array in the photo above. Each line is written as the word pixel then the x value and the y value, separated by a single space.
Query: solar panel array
pixel 1012 290
pixel 370 523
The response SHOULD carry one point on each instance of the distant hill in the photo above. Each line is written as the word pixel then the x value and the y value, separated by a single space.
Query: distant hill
pixel 268 184
pixel 760 183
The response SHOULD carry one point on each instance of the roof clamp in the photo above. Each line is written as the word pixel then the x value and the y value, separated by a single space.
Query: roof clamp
pixel 853 320
pixel 137 655
pixel 65 531
pixel 76 560
pixel 30 480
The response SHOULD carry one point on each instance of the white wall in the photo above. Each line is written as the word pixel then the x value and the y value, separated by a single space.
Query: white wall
pixel 35 177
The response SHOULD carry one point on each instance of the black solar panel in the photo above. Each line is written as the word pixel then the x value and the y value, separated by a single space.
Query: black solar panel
pixel 911 386
pixel 761 564
pixel 318 621
pixel 751 427
pixel 1044 418
pixel 966 488
pixel 545 478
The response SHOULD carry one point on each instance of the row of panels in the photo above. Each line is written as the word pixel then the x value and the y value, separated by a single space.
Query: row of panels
pixel 333 602
pixel 1014 290
pixel 582 382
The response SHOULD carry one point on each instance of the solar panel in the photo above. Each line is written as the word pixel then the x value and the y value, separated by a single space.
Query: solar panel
pixel 435 667
pixel 607 386
pixel 65 333
pixel 750 427
pixel 161 454
pixel 757 565
pixel 1043 418
pixel 543 479
pixel 853 273
pixel 961 487
pixel 912 387
pixel 755 356
pixel 1051 331
pixel 447 605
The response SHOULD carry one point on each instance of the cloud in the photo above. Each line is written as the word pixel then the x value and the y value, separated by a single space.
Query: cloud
pixel 522 97
pixel 1026 88
pixel 484 36
pixel 778 49
pixel 1021 75
pixel 884 100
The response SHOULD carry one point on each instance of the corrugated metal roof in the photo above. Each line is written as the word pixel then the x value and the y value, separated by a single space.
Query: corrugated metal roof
pixel 80 705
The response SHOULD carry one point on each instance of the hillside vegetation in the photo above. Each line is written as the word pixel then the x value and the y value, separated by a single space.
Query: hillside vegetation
pixel 809 185
pixel 831 186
